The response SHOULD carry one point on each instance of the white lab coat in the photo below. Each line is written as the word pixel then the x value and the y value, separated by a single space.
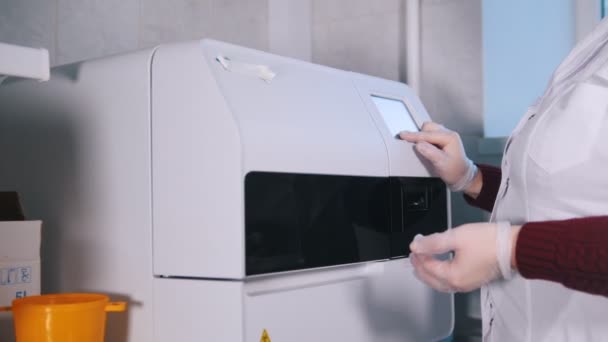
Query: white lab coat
pixel 555 167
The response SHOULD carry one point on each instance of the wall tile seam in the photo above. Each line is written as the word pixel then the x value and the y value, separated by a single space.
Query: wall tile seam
pixel 55 27
pixel 139 23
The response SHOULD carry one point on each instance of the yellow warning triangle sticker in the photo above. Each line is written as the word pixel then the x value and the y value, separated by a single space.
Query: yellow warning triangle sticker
pixel 265 337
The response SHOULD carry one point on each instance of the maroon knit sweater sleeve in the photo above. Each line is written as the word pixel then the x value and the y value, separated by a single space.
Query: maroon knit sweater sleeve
pixel 572 252
pixel 491 182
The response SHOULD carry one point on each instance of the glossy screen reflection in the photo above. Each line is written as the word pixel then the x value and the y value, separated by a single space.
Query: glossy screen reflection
pixel 395 114
pixel 300 221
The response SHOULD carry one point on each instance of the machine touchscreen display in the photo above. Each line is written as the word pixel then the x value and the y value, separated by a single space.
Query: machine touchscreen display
pixel 395 114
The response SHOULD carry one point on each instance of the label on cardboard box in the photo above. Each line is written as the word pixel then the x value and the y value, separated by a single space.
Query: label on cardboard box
pixel 19 260
pixel 18 279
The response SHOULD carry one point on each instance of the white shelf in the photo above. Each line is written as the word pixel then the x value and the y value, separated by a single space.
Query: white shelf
pixel 24 62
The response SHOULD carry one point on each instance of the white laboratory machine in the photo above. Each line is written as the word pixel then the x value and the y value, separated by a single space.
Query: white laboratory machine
pixel 229 195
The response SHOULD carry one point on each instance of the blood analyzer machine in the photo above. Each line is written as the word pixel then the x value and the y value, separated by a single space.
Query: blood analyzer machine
pixel 229 195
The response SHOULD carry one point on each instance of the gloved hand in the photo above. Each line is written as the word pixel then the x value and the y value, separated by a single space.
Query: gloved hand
pixel 482 253
pixel 443 149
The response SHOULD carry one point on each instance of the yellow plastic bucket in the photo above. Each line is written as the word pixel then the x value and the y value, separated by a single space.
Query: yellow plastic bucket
pixel 70 317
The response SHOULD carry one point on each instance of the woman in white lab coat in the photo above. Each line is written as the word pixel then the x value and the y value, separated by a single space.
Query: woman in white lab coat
pixel 542 260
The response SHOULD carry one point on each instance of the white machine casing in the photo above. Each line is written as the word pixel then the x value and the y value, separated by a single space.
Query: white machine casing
pixel 136 165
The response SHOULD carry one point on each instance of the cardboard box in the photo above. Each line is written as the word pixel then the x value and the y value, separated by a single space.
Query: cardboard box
pixel 19 257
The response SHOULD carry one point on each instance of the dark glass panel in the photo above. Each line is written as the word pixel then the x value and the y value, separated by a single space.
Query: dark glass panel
pixel 421 209
pixel 297 221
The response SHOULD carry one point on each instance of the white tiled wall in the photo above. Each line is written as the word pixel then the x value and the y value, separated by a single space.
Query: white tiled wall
pixel 358 35
pixel 80 29
pixel 93 28
pixel 452 66
pixel 243 22
pixel 369 37
pixel 163 21
pixel 28 22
